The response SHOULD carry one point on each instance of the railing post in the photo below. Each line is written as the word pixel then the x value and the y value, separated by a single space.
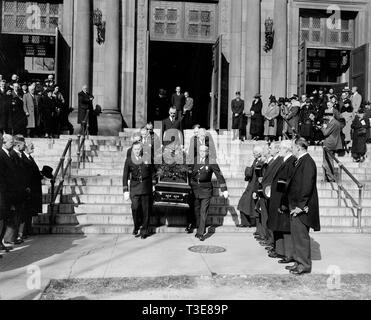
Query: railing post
pixel 70 159
pixel 51 221
pixel 359 210
pixel 340 180
pixel 78 151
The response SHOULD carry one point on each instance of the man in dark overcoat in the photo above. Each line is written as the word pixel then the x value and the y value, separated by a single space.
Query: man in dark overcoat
pixel 85 105
pixel 178 101
pixel 303 205
pixel 274 163
pixel 238 107
pixel 202 188
pixel 142 178
pixel 279 216
pixel 248 201
pixel 20 193
pixel 34 176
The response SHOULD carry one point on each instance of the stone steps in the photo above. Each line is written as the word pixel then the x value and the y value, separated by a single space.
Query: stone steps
pixel 92 200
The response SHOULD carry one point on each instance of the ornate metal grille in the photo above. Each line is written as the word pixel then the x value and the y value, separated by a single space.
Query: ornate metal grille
pixel 31 17
pixel 183 21
pixel 314 30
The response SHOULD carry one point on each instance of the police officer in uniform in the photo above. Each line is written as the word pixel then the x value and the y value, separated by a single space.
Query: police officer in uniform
pixel 202 187
pixel 142 178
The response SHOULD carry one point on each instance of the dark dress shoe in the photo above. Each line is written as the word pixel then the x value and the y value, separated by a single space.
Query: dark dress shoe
pixel 6 249
pixel 286 261
pixel 275 255
pixel 138 235
pixel 242 226
pixel 144 236
pixel 135 232
pixel 255 234
pixel 18 241
pixel 269 248
pixel 202 238
pixel 299 272
pixel 291 267
pixel 198 236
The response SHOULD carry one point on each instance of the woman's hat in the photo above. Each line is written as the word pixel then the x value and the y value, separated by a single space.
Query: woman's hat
pixel 257 96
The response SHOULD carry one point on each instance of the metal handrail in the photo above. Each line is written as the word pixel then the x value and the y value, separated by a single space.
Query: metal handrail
pixel 63 170
pixel 81 142
pixel 356 204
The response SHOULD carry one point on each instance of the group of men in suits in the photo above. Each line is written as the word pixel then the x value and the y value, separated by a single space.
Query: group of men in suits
pixel 20 190
pixel 141 171
pixel 284 202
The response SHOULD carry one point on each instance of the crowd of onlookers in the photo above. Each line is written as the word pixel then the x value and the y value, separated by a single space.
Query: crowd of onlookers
pixel 340 122
pixel 35 109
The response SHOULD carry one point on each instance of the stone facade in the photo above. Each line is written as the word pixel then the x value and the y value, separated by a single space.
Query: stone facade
pixel 117 69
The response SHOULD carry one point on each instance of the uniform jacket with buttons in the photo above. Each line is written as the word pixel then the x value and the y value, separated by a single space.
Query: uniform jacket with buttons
pixel 142 177
pixel 201 175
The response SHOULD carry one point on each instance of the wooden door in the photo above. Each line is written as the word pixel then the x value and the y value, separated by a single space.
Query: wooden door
pixel 359 69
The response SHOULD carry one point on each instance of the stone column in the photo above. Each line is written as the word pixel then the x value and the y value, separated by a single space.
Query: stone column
pixel 110 122
pixel 279 54
pixel 252 66
pixel 67 25
pixel 235 54
pixel 128 61
pixel 82 52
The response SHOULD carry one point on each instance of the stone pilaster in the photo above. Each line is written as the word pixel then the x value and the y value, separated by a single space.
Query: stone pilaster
pixel 81 52
pixel 235 54
pixel 110 122
pixel 279 55
pixel 252 57
pixel 142 64
pixel 128 61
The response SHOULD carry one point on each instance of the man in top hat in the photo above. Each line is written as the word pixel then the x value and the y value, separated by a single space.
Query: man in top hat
pixel 304 207
pixel 238 107
pixel 202 187
pixel 142 177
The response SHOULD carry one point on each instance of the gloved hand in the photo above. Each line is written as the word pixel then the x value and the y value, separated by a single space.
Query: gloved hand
pixel 126 196
pixel 225 194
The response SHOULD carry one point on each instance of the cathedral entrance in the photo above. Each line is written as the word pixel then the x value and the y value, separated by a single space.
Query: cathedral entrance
pixel 188 65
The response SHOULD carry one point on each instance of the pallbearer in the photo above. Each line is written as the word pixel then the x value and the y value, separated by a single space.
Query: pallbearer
pixel 142 178
pixel 202 187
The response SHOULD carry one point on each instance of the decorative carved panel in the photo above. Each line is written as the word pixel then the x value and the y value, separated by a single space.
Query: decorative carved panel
pixel 183 21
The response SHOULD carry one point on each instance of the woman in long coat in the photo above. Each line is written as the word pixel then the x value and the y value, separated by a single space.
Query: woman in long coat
pixel 247 203
pixel 257 120
pixel 270 113
pixel 360 126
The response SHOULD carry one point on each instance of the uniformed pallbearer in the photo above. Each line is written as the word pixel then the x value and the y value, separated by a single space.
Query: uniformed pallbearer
pixel 142 178
pixel 202 187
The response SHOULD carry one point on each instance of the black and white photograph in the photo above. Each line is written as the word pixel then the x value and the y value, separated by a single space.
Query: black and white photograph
pixel 162 152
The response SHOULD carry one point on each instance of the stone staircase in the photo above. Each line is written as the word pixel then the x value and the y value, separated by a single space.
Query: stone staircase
pixel 92 199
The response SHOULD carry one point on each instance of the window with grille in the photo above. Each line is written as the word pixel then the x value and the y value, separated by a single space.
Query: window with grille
pixel 31 17
pixel 314 30
pixel 183 21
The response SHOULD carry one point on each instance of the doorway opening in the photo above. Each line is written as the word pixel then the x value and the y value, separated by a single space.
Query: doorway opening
pixel 188 65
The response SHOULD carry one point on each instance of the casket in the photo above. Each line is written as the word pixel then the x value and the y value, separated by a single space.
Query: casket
pixel 172 194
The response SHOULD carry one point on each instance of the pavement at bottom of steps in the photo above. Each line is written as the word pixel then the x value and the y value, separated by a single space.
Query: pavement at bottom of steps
pixel 118 256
